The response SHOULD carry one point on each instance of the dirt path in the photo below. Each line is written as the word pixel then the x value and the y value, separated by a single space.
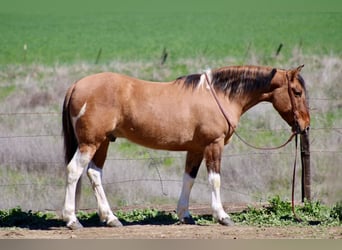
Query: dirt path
pixel 178 232
pixel 175 231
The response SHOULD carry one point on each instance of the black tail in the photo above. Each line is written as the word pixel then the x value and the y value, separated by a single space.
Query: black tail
pixel 70 141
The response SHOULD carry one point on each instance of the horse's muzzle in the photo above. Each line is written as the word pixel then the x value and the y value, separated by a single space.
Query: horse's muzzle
pixel 296 129
pixel 306 130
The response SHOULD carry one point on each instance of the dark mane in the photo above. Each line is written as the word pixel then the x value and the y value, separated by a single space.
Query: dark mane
pixel 302 82
pixel 190 80
pixel 242 79
pixel 235 80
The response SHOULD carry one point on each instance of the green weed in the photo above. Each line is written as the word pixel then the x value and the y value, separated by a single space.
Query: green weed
pixel 146 216
pixel 277 213
pixel 34 220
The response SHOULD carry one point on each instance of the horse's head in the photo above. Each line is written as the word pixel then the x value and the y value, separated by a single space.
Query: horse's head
pixel 289 99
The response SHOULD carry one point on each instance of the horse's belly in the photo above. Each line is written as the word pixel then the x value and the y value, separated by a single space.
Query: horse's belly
pixel 158 139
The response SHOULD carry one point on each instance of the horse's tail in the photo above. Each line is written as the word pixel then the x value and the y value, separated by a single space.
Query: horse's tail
pixel 70 140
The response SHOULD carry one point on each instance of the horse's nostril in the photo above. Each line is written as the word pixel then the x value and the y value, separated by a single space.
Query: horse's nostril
pixel 306 130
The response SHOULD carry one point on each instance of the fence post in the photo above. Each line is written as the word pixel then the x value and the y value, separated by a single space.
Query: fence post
pixel 306 172
pixel 98 56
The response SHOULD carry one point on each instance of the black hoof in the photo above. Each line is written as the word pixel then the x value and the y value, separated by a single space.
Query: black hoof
pixel 188 220
pixel 226 222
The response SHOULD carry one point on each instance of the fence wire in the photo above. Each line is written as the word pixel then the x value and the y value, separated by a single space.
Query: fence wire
pixel 6 138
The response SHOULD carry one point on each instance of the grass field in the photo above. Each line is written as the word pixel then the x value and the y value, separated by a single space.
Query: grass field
pixel 64 37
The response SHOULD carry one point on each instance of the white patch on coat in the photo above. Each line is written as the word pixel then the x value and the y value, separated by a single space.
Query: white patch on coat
pixel 80 114
pixel 74 171
pixel 216 204
pixel 183 202
pixel 204 81
pixel 95 176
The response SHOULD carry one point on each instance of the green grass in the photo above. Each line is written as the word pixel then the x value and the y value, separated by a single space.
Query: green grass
pixel 277 213
pixel 6 91
pixel 52 38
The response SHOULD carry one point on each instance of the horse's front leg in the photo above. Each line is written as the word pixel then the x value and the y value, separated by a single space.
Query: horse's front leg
pixel 193 162
pixel 212 156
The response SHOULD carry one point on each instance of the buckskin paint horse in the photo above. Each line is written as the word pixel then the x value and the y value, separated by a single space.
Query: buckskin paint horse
pixel 181 115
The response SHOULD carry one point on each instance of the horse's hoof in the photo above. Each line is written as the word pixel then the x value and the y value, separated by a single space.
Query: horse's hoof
pixel 76 225
pixel 226 222
pixel 188 220
pixel 114 223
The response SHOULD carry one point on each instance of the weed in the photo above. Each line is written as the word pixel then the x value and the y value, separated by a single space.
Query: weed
pixel 34 220
pixel 146 216
pixel 337 211
pixel 277 213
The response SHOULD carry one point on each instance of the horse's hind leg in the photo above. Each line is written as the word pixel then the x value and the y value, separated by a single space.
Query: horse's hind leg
pixel 193 162
pixel 75 168
pixel 94 173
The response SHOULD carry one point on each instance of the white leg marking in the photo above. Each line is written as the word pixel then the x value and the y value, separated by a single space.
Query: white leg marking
pixel 183 202
pixel 80 114
pixel 216 204
pixel 74 171
pixel 95 176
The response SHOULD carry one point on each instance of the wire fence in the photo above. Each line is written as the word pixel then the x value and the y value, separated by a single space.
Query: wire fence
pixel 337 130
pixel 155 160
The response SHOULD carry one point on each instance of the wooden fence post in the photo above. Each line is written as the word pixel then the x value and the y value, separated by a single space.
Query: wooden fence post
pixel 306 171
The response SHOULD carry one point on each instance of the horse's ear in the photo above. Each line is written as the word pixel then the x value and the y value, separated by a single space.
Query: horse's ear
pixel 273 72
pixel 295 72
pixel 299 68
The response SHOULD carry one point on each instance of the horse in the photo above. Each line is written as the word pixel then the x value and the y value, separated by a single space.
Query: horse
pixel 181 115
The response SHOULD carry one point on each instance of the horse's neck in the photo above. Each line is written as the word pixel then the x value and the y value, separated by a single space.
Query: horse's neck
pixel 249 100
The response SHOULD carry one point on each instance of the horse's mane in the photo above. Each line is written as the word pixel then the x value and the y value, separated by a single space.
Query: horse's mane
pixel 235 80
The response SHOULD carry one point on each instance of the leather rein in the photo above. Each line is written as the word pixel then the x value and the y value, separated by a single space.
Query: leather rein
pixel 294 134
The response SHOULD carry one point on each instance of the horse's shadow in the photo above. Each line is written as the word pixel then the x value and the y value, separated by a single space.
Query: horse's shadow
pixel 159 219
pixel 36 221
pixel 29 220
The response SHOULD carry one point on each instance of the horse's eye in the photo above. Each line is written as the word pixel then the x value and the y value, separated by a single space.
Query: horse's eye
pixel 297 93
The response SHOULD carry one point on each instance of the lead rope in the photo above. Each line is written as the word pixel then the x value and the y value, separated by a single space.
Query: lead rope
pixel 231 126
pixel 293 104
pixel 294 134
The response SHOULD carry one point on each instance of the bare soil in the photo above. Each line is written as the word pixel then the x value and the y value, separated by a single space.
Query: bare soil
pixel 178 232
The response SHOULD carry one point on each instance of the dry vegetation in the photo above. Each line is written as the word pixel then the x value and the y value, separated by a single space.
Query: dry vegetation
pixel 31 155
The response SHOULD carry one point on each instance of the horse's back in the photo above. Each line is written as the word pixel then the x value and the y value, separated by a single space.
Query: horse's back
pixel 97 89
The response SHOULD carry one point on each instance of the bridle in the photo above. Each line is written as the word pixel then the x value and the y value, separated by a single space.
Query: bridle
pixel 295 131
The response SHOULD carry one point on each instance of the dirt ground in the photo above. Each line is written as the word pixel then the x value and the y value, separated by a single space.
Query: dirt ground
pixel 177 232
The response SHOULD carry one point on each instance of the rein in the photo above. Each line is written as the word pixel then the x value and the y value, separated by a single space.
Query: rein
pixel 294 134
pixel 232 127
